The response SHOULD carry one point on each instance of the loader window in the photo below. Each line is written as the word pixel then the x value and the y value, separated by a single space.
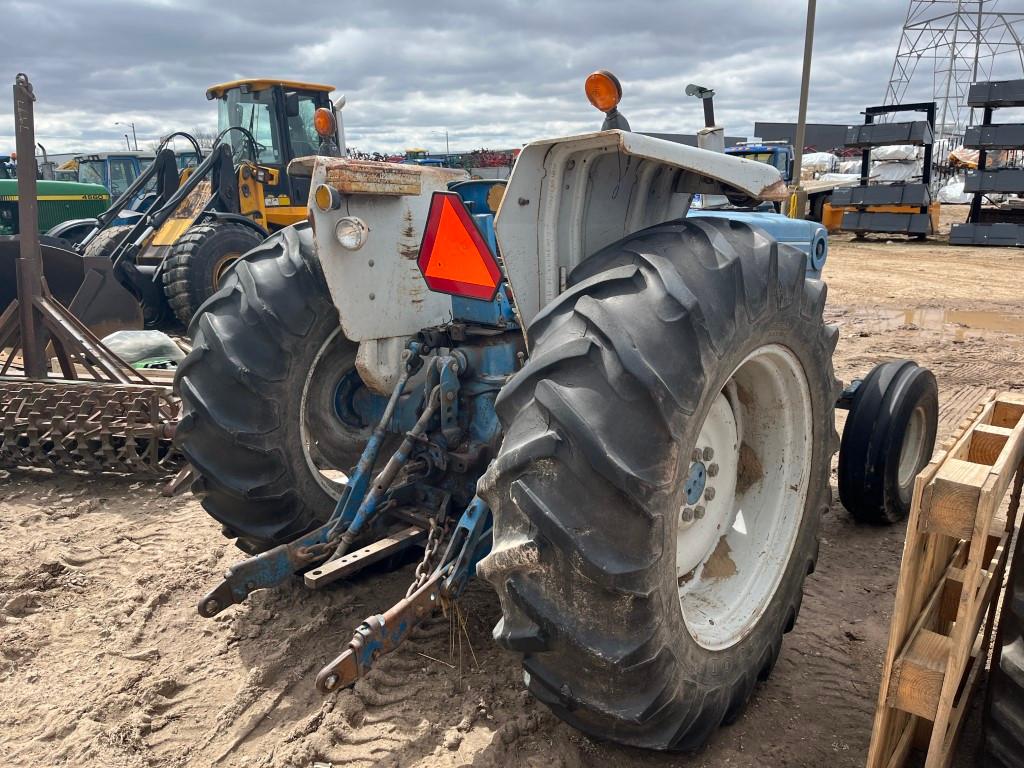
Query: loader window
pixel 253 111
pixel 301 133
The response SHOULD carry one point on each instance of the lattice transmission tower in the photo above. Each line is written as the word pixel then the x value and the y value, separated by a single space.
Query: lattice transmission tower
pixel 953 43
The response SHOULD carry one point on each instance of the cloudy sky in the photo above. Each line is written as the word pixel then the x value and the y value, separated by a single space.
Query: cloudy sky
pixel 493 74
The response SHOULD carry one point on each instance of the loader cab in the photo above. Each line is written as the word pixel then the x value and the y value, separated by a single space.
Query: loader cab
pixel 280 116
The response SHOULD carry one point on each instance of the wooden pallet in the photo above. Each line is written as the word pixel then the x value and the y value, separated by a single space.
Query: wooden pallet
pixel 953 561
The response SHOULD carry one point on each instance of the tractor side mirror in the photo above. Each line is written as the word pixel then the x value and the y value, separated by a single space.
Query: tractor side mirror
pixel 291 104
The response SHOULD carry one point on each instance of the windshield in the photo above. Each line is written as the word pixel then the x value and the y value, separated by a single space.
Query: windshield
pixel 253 111
pixel 778 159
pixel 91 172
pixel 6 172
pixel 186 160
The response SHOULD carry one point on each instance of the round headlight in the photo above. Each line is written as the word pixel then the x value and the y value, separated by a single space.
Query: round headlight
pixel 351 232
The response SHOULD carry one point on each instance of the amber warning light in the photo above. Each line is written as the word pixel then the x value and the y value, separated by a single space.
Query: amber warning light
pixel 454 258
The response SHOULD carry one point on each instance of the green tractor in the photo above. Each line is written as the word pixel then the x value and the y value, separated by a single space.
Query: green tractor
pixel 59 201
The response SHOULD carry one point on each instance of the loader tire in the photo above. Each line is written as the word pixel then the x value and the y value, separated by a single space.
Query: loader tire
pixel 106 242
pixel 200 261
pixel 257 395
pixel 1003 743
pixel 688 356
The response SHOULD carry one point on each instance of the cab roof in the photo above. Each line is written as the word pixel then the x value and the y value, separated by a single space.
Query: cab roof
pixel 262 84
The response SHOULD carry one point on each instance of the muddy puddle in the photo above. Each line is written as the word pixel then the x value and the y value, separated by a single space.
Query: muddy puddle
pixel 961 323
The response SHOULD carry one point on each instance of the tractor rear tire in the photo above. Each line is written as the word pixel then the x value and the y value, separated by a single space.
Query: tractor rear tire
pixel 1004 699
pixel 200 260
pixel 679 338
pixel 258 393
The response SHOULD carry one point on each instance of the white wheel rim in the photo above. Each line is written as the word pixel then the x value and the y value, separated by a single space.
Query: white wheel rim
pixel 331 480
pixel 731 559
pixel 912 448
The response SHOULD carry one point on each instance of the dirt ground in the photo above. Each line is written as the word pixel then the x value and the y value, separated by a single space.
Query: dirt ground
pixel 104 662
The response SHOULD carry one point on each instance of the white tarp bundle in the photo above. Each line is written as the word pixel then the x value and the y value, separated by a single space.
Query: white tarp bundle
pixel 851 165
pixel 953 191
pixel 819 162
pixel 896 153
pixel 883 173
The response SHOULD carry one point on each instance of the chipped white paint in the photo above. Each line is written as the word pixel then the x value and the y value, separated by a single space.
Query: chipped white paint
pixel 567 198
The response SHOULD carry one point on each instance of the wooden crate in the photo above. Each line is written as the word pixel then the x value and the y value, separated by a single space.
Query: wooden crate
pixel 953 561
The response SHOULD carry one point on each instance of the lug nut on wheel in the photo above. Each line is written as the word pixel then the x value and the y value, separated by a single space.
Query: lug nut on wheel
pixel 698 512
pixel 712 469
pixel 708 454
pixel 686 515
pixel 709 493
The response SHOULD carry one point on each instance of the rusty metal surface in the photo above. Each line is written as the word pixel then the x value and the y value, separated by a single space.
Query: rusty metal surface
pixel 379 635
pixel 184 215
pixel 366 177
pixel 378 290
pixel 355 561
pixel 30 261
pixel 93 426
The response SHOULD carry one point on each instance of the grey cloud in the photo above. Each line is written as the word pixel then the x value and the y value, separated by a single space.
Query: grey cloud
pixel 491 74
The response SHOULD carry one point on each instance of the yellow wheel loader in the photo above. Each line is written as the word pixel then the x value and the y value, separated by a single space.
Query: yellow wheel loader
pixel 173 256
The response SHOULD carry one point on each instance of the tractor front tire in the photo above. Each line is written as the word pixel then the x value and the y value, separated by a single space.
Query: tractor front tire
pixel 200 261
pixel 258 394
pixel 888 438
pixel 658 492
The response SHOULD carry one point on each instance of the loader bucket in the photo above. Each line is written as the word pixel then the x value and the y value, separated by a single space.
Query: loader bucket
pixel 85 285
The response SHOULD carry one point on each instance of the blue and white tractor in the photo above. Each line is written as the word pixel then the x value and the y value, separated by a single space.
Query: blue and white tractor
pixel 620 416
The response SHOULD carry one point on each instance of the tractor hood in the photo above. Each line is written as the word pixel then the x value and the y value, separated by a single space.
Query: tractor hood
pixel 567 198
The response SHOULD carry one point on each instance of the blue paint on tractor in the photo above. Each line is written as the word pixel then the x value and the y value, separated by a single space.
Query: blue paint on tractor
pixel 477 194
pixel 695 482
pixel 808 236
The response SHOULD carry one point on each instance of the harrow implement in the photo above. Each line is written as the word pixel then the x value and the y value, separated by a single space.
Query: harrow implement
pixel 86 425
pixel 89 410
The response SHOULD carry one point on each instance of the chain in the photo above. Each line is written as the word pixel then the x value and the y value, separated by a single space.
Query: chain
pixel 425 567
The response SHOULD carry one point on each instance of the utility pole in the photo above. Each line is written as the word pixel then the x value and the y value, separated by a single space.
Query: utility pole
pixel 134 137
pixel 797 207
